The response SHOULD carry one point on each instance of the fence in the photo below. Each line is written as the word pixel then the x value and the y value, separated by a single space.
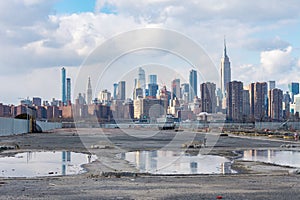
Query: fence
pixel 49 125
pixel 10 126
pixel 277 125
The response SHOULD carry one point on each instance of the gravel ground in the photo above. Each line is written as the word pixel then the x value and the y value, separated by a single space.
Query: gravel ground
pixel 113 178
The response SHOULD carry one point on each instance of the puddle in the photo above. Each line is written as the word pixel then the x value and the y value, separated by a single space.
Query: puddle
pixel 285 158
pixel 37 164
pixel 171 162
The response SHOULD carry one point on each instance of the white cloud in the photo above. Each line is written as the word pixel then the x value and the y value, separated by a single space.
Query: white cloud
pixel 277 61
pixel 277 64
pixel 258 44
pixel 61 40
pixel 38 36
pixel 205 10
pixel 16 13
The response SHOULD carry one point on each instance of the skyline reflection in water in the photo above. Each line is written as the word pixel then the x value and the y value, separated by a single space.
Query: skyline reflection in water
pixel 171 162
pixel 278 157
pixel 37 164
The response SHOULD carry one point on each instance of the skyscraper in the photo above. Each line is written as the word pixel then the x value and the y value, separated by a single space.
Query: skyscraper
pixel 225 71
pixel 208 97
pixel 152 79
pixel 258 100
pixel 185 90
pixel 142 79
pixel 271 85
pixel 193 85
pixel 121 95
pixel 68 90
pixel 246 104
pixel 293 89
pixel 104 97
pixel 176 89
pixel 275 104
pixel 63 86
pixel 234 101
pixel 138 93
pixel 219 99
pixel 89 92
pixel 115 90
pixel 286 105
pixel 152 86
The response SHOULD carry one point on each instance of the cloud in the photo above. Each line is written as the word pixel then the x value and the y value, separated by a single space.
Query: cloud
pixel 39 38
pixel 60 40
pixel 246 11
pixel 259 44
pixel 24 12
pixel 277 61
pixel 33 37
pixel 277 64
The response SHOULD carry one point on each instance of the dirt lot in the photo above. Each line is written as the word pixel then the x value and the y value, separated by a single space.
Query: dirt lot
pixel 113 178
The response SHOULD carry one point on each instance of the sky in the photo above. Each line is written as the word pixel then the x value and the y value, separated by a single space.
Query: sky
pixel 38 37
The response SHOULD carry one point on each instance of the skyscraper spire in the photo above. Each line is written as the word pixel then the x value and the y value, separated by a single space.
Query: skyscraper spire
pixel 89 92
pixel 225 70
pixel 225 51
pixel 89 83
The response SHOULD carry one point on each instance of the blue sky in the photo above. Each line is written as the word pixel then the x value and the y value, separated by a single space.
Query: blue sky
pixel 74 6
pixel 263 40
pixel 80 6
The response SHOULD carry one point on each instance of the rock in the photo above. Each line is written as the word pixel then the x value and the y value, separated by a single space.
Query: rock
pixel 9 147
pixel 295 171
pixel 287 146
pixel 100 147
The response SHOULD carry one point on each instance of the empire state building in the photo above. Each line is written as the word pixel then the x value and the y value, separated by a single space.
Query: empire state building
pixel 225 71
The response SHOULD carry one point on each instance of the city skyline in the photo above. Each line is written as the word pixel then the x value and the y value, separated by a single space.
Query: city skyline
pixel 291 87
pixel 47 35
pixel 259 101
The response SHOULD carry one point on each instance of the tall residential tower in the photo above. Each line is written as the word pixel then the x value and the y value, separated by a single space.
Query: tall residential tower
pixel 121 93
pixel 258 100
pixel 234 101
pixel 193 85
pixel 275 104
pixel 68 91
pixel 63 86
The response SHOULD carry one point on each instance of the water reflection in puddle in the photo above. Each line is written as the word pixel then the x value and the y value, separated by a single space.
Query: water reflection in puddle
pixel 285 158
pixel 36 164
pixel 170 162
